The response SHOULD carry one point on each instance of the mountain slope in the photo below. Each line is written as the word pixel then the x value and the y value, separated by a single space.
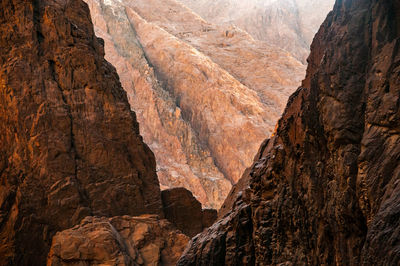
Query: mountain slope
pixel 289 24
pixel 205 95
pixel 325 189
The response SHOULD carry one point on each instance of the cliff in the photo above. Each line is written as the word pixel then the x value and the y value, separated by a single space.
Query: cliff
pixel 325 188
pixel 69 143
pixel 205 95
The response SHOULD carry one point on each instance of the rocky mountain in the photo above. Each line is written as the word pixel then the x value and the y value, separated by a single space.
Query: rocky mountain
pixel 70 148
pixel 289 24
pixel 325 190
pixel 205 95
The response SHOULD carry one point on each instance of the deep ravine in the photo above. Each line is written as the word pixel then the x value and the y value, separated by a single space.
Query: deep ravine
pixel 205 95
pixel 78 185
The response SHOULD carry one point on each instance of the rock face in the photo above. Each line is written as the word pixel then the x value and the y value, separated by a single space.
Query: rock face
pixel 123 240
pixel 289 24
pixel 127 240
pixel 184 211
pixel 205 95
pixel 325 189
pixel 69 143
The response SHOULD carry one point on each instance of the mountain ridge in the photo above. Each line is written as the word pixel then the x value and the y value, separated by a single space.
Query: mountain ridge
pixel 179 120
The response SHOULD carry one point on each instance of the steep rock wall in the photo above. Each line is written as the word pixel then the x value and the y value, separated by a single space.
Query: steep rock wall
pixel 325 189
pixel 69 143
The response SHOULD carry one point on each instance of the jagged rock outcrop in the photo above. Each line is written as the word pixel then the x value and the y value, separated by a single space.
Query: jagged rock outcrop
pixel 185 212
pixel 69 143
pixel 123 240
pixel 325 189
pixel 289 24
pixel 127 240
pixel 205 95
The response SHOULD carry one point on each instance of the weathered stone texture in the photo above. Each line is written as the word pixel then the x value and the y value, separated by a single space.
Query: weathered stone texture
pixel 205 95
pixel 123 240
pixel 325 189
pixel 69 143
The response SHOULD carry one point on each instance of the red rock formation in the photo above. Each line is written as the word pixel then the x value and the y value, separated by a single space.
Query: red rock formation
pixel 143 240
pixel 182 161
pixel 184 211
pixel 206 95
pixel 325 189
pixel 69 143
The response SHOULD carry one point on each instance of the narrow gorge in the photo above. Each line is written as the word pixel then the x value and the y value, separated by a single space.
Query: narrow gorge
pixel 202 84
pixel 205 94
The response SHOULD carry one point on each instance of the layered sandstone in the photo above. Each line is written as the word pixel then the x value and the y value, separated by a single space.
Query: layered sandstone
pixel 69 143
pixel 325 189
pixel 205 95
pixel 289 24
pixel 122 240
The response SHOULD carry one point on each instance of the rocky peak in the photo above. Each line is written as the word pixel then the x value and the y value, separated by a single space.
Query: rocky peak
pixel 325 188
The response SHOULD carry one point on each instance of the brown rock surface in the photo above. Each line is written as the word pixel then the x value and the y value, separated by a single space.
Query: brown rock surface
pixel 123 240
pixel 325 189
pixel 184 211
pixel 242 188
pixel 209 217
pixel 69 143
pixel 205 95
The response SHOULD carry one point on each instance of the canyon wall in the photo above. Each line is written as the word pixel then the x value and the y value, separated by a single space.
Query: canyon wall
pixel 205 95
pixel 325 190
pixel 69 142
